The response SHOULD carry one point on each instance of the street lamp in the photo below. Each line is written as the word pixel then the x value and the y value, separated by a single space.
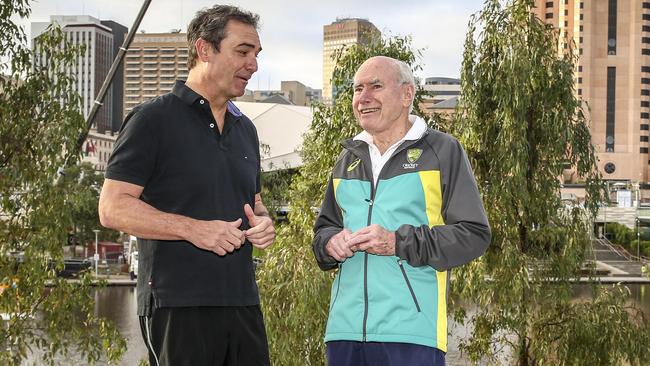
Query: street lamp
pixel 96 256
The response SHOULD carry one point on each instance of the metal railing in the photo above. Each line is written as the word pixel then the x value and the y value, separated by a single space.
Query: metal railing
pixel 622 252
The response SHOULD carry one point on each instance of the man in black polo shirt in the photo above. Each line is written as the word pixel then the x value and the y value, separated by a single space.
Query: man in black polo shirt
pixel 185 179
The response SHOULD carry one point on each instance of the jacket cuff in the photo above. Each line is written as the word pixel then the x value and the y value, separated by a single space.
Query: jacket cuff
pixel 325 261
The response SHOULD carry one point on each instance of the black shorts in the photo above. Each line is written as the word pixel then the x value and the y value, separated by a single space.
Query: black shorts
pixel 223 336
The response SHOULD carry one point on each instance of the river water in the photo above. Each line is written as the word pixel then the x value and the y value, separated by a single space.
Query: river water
pixel 119 305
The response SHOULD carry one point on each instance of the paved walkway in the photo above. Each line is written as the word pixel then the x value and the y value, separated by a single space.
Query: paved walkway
pixel 618 266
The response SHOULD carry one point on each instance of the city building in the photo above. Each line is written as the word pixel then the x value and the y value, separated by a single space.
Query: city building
pixel 441 95
pixel 117 86
pixel 153 63
pixel 98 148
pixel 291 92
pixel 91 68
pixel 612 40
pixel 440 89
pixel 344 32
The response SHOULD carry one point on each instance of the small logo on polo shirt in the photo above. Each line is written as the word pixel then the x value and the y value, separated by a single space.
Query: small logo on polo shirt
pixel 353 165
pixel 412 155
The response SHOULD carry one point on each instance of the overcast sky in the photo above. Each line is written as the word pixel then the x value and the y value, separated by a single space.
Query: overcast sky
pixel 292 31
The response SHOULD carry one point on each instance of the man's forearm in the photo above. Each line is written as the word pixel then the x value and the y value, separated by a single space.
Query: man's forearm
pixel 132 215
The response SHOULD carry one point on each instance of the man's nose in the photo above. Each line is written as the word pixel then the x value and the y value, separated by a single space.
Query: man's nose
pixel 364 95
pixel 251 65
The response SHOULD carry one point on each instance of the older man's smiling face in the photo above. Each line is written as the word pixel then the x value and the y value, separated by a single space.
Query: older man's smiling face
pixel 379 99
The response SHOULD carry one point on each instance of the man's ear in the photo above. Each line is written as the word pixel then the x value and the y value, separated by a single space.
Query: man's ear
pixel 203 49
pixel 408 94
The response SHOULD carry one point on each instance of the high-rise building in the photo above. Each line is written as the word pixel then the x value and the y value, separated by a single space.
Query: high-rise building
pixel 92 67
pixel 612 40
pixel 117 85
pixel 153 63
pixel 343 33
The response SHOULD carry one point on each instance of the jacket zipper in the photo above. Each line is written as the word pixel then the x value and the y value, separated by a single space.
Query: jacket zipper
pixel 408 284
pixel 365 266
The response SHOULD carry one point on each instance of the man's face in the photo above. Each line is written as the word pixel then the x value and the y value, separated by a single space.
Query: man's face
pixel 235 63
pixel 379 100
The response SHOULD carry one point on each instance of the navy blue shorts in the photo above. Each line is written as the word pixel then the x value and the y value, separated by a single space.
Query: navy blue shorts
pixel 348 353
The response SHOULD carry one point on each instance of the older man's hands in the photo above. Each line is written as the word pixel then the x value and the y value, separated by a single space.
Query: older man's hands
pixel 372 239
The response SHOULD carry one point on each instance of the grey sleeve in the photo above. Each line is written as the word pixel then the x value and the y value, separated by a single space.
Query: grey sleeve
pixel 328 224
pixel 466 233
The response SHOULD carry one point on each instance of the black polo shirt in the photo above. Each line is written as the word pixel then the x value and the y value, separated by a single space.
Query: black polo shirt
pixel 171 147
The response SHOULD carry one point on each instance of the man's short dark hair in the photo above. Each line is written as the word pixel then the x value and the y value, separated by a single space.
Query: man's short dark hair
pixel 210 24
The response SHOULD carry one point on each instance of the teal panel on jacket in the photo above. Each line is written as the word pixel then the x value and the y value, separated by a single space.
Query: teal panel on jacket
pixel 347 296
pixel 398 201
pixel 351 196
pixel 347 301
pixel 392 310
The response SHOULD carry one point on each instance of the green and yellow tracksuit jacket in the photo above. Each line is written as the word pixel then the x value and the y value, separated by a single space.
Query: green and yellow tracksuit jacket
pixel 427 194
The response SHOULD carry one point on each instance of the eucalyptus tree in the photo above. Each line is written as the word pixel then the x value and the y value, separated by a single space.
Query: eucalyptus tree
pixel 44 317
pixel 521 122
pixel 295 292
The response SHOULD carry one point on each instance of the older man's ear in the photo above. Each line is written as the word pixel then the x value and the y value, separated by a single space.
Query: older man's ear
pixel 408 95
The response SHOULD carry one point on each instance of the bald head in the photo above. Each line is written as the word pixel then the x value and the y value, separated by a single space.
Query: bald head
pixel 383 96
pixel 396 69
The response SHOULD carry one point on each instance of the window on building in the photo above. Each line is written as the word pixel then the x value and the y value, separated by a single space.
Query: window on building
pixel 645 68
pixel 645 104
pixel 645 39
pixel 646 5
pixel 581 28
pixel 645 28
pixel 644 138
pixel 549 15
pixel 580 80
pixel 579 91
pixel 611 28
pixel 610 122
pixel 645 80
pixel 643 150
pixel 582 5
pixel 580 68
pixel 566 12
pixel 645 115
pixel 582 16
pixel 645 51
pixel 549 4
pixel 581 39
pixel 645 127
pixel 646 17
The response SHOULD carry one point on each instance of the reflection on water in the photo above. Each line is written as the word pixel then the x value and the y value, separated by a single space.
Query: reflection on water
pixel 119 305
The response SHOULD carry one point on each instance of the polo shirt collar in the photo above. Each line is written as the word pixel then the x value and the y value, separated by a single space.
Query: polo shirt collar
pixel 189 96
